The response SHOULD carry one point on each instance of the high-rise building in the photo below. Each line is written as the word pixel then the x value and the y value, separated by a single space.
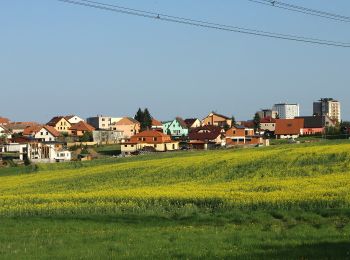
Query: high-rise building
pixel 287 111
pixel 328 107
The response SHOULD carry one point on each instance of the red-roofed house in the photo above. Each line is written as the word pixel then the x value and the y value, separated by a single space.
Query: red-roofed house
pixel 289 128
pixel 79 129
pixel 193 123
pixel 157 125
pixel 217 120
pixel 152 140
pixel 4 121
pixel 268 124
pixel 241 135
pixel 206 136
pixel 72 119
pixel 128 126
pixel 47 133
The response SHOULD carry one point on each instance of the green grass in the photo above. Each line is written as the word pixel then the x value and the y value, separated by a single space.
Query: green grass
pixel 279 202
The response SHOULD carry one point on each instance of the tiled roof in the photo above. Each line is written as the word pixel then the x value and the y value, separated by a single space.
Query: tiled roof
pixel 127 121
pixel 190 121
pixel 289 126
pixel 4 120
pixel 181 122
pixel 52 130
pixel 155 122
pixel 82 126
pixel 55 120
pixel 30 130
pixel 214 113
pixel 205 133
pixel 267 120
pixel 20 125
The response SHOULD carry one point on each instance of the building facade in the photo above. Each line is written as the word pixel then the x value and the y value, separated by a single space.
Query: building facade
pixel 328 107
pixel 287 111
pixel 100 122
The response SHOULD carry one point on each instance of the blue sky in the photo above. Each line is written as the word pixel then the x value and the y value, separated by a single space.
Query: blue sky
pixel 61 59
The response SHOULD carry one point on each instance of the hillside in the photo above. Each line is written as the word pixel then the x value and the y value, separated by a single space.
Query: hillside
pixel 293 189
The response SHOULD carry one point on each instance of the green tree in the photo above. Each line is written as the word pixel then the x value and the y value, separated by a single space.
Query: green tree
pixel 147 119
pixel 256 121
pixel 139 115
pixel 87 137
pixel 233 119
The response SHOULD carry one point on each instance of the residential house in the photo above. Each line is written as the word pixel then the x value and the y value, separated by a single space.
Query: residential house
pixel 18 127
pixel 80 128
pixel 206 137
pixel 4 121
pixel 193 123
pixel 241 135
pixel 217 120
pixel 27 148
pixel 176 128
pixel 268 124
pixel 128 126
pixel 157 125
pixel 149 140
pixel 289 128
pixel 100 122
pixel 4 132
pixel 73 119
pixel 315 125
pixel 60 123
pixel 43 133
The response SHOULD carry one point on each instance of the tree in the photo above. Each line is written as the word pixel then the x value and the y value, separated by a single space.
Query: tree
pixel 145 118
pixel 139 115
pixel 256 121
pixel 87 137
pixel 233 119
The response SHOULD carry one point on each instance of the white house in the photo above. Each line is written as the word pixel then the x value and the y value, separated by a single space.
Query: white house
pixel 72 119
pixel 47 134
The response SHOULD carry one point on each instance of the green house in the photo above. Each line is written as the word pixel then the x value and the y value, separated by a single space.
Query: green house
pixel 176 128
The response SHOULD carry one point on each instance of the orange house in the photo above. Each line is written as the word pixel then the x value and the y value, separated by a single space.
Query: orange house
pixel 150 140
pixel 79 129
pixel 217 120
pixel 240 135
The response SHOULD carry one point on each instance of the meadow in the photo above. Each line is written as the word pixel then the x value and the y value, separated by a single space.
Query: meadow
pixel 286 201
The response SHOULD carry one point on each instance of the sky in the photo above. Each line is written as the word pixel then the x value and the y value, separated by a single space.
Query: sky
pixel 60 59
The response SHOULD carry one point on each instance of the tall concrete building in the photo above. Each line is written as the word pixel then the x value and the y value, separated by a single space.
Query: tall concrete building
pixel 328 107
pixel 287 111
pixel 264 113
pixel 100 122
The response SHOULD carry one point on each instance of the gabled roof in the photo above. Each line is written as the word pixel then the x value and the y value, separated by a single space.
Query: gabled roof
pixel 157 123
pixel 249 124
pixel 32 130
pixel 190 121
pixel 289 126
pixel 219 115
pixel 204 133
pixel 4 120
pixel 55 120
pixel 127 121
pixel 51 130
pixel 82 126
pixel 181 122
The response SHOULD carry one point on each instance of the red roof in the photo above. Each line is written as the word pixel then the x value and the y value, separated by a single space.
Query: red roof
pixel 267 120
pixel 289 126
pixel 30 130
pixel 155 122
pixel 52 130
pixel 205 133
pixel 82 126
pixel 150 133
pixel 4 121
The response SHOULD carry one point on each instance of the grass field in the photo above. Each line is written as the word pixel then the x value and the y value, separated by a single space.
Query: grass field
pixel 288 201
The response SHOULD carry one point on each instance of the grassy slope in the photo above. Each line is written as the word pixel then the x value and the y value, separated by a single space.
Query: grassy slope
pixel 271 202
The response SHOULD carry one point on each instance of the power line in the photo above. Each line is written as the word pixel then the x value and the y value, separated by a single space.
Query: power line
pixel 304 10
pixel 200 23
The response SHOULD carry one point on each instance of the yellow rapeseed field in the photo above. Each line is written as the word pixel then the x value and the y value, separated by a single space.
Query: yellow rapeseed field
pixel 285 177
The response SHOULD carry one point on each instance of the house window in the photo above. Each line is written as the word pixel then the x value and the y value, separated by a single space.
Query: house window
pixel 47 133
pixel 126 145
pixel 41 133
pixel 132 145
pixel 155 138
